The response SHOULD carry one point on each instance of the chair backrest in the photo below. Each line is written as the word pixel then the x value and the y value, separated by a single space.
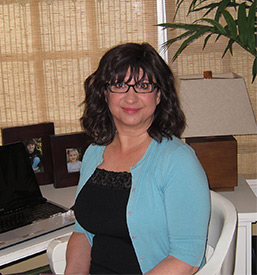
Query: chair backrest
pixel 221 243
pixel 220 252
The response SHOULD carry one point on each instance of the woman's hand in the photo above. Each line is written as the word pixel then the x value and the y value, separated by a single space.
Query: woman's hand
pixel 78 255
pixel 172 266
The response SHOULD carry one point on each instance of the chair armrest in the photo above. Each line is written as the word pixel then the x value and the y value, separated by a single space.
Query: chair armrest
pixel 56 253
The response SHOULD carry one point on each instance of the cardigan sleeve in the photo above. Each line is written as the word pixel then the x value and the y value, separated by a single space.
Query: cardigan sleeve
pixel 187 205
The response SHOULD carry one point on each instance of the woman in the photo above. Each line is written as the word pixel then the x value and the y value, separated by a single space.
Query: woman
pixel 142 203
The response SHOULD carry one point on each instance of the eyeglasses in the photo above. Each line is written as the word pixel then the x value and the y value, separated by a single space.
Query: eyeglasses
pixel 139 87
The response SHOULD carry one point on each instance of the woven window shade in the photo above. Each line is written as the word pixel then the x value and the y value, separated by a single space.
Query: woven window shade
pixel 49 47
pixel 195 61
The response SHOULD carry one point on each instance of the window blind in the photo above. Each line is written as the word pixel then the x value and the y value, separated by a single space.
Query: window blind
pixel 49 47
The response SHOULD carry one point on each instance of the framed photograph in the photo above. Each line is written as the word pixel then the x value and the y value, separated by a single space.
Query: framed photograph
pixel 36 138
pixel 67 153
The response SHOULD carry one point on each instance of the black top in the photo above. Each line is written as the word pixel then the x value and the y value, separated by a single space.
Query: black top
pixel 100 208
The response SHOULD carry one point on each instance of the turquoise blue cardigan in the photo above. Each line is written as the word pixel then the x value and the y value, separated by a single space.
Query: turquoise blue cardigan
pixel 169 204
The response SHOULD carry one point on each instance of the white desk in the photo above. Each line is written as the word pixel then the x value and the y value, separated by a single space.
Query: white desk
pixel 245 202
pixel 62 196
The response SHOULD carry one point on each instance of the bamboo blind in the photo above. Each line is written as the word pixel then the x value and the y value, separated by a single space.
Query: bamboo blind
pixel 48 48
pixel 194 61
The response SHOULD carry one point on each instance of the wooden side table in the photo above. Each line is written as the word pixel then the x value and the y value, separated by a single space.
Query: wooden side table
pixel 245 202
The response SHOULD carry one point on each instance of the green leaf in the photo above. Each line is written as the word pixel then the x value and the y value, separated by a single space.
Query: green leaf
pixel 190 27
pixel 206 40
pixel 182 36
pixel 192 6
pixel 229 47
pixel 176 26
pixel 231 24
pixel 242 24
pixel 216 24
pixel 219 35
pixel 209 8
pixel 254 71
pixel 222 5
pixel 250 27
pixel 191 39
pixel 178 3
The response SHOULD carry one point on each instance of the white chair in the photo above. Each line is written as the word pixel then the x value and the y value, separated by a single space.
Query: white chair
pixel 221 243
pixel 56 253
pixel 220 252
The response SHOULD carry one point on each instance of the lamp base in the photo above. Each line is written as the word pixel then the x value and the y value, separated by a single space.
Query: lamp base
pixel 218 156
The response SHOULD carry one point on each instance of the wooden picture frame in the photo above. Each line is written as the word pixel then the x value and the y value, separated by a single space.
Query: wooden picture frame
pixel 61 146
pixel 39 134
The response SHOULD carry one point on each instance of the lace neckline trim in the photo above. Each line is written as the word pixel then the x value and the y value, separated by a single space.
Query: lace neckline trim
pixel 110 179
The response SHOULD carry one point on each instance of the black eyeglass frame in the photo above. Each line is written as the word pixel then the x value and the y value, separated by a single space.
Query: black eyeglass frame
pixel 154 86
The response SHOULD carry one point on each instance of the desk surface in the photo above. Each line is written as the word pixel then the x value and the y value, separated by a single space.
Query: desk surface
pixel 62 196
pixel 244 200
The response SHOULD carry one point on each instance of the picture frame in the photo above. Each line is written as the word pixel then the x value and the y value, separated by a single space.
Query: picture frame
pixel 62 145
pixel 39 135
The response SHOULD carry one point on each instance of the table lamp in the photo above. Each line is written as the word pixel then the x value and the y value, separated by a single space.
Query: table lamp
pixel 216 107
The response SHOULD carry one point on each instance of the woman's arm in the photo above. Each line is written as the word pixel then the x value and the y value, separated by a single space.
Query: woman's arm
pixel 78 254
pixel 172 266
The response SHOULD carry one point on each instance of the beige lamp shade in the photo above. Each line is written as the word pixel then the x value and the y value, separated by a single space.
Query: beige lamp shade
pixel 216 106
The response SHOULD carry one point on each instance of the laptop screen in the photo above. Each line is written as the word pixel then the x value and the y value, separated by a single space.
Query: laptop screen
pixel 18 184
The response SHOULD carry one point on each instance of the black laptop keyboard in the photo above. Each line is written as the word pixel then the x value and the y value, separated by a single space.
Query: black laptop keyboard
pixel 23 216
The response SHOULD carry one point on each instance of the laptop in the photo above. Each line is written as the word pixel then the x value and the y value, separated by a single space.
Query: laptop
pixel 24 212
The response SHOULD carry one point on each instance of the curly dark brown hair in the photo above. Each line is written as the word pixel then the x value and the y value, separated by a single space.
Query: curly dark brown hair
pixel 97 120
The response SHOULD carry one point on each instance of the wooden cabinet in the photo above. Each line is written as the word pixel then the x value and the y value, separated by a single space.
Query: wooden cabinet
pixel 218 156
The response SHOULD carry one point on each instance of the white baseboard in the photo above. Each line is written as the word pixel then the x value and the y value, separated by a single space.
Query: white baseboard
pixel 253 184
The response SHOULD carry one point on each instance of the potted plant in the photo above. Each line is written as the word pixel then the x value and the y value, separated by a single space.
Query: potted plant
pixel 240 29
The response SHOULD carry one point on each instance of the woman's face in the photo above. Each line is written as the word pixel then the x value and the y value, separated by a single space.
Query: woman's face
pixel 132 109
